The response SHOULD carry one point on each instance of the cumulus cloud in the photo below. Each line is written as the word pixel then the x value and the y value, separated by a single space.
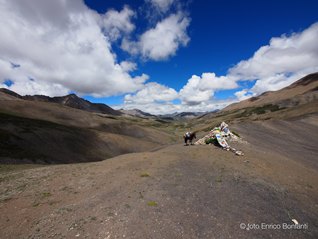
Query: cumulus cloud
pixel 283 61
pixel 115 24
pixel 168 107
pixel 152 108
pixel 162 41
pixel 205 106
pixel 152 92
pixel 60 47
pixel 153 98
pixel 195 96
pixel 243 94
pixel 201 89
pixel 192 93
pixel 161 5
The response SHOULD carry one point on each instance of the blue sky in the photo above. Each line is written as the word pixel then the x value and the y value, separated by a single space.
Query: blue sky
pixel 222 34
pixel 179 55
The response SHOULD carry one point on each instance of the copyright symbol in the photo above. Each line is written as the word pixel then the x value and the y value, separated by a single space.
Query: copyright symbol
pixel 242 225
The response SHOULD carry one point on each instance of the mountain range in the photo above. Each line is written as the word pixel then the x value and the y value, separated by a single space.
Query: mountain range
pixel 76 102
pixel 70 100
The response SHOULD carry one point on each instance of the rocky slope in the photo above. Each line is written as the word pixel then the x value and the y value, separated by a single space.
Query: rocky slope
pixel 46 132
pixel 300 92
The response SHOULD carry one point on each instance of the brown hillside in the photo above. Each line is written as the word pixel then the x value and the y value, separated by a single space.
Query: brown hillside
pixel 301 91
pixel 42 132
pixel 298 100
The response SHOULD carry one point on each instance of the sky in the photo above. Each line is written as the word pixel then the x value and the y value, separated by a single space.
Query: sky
pixel 159 56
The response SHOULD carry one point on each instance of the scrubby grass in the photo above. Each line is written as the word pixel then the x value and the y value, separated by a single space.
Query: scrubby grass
pixel 218 179
pixel 265 108
pixel 46 194
pixel 259 110
pixel 152 203
pixel 145 174
pixel 35 204
pixel 236 134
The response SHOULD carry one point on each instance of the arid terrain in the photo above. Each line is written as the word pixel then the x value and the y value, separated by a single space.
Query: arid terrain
pixel 73 173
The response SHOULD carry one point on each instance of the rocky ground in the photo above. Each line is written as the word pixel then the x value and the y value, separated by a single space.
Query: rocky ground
pixel 173 192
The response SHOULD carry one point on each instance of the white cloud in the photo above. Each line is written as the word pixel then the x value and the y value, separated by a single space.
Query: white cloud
pixel 206 106
pixel 59 44
pixel 201 89
pixel 243 94
pixel 162 41
pixel 283 61
pixel 161 5
pixel 192 94
pixel 153 98
pixel 128 66
pixel 168 107
pixel 152 108
pixel 152 92
pixel 115 23
pixel 211 81
pixel 195 96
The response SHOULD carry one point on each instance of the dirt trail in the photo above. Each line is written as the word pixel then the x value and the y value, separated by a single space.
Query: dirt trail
pixel 174 192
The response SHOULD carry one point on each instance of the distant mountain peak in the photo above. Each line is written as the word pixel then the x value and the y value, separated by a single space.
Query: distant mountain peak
pixel 72 96
pixel 137 112
pixel 10 92
pixel 71 100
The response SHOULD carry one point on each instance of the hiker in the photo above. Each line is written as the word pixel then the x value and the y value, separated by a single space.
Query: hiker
pixel 189 136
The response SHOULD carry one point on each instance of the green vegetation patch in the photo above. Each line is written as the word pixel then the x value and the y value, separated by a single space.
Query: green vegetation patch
pixel 211 141
pixel 152 203
pixel 35 204
pixel 265 108
pixel 46 194
pixel 218 179
pixel 260 110
pixel 144 174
